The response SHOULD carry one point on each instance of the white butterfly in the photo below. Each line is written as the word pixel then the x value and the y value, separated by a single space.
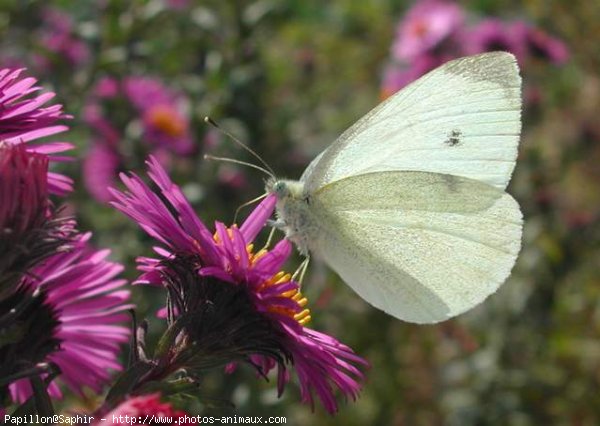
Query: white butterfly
pixel 408 205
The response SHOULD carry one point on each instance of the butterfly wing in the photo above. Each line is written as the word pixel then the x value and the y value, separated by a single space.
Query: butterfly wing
pixel 462 119
pixel 421 246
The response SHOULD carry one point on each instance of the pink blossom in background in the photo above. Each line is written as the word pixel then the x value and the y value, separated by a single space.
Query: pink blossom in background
pixel 100 169
pixel 541 45
pixel 433 32
pixel 23 119
pixel 103 159
pixel 232 178
pixel 322 363
pixel 103 129
pixel 166 124
pixel 57 37
pixel 494 34
pixel 425 25
pixel 82 289
pixel 107 87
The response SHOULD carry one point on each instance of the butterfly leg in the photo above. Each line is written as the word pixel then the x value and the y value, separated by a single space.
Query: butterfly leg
pixel 269 239
pixel 301 271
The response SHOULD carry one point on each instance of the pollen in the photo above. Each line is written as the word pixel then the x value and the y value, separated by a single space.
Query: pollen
pixel 303 317
pixel 254 257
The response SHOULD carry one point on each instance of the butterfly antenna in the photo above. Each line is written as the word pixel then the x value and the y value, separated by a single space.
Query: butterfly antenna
pixel 240 143
pixel 243 163
pixel 247 203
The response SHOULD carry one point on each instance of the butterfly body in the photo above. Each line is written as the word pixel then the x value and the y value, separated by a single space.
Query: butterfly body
pixel 294 215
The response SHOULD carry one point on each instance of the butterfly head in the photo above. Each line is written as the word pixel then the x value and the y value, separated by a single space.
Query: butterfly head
pixel 284 189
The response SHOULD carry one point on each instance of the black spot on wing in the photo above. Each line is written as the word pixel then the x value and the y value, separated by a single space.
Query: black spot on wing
pixel 454 138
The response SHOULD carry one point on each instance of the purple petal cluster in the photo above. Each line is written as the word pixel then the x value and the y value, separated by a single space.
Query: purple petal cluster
pixel 57 38
pixel 426 25
pixel 28 231
pixel 23 119
pixel 164 120
pixel 322 363
pixel 435 31
pixel 163 113
pixel 24 200
pixel 60 300
pixel 81 286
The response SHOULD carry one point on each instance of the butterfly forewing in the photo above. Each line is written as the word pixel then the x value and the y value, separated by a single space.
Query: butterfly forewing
pixel 462 119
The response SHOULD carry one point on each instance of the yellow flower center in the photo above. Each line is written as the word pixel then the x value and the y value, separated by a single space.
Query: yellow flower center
pixel 303 317
pixel 166 119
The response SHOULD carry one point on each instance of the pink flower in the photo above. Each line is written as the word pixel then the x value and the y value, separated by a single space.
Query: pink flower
pixel 164 118
pixel 494 34
pixel 542 45
pixel 427 24
pixel 24 201
pixel 82 293
pixel 57 37
pixel 103 159
pixel 100 168
pixel 23 119
pixel 29 230
pixel 163 114
pixel 137 408
pixel 107 87
pixel 224 266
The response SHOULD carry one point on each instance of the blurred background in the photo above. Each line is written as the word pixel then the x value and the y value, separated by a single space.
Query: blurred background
pixel 287 77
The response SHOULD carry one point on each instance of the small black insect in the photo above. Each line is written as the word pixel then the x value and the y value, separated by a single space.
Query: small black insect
pixel 453 138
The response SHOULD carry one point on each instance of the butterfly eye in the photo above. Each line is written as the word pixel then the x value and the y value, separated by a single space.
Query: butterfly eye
pixel 280 189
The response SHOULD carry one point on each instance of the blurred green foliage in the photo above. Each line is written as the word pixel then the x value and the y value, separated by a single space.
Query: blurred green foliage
pixel 287 77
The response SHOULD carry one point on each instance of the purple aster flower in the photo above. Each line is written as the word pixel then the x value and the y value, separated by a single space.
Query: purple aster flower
pixel 540 44
pixel 29 230
pixel 81 293
pixel 107 87
pixel 23 119
pixel 29 234
pixel 166 124
pixel 493 35
pixel 427 24
pixel 56 36
pixel 164 119
pixel 246 289
pixel 103 160
pixel 100 168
